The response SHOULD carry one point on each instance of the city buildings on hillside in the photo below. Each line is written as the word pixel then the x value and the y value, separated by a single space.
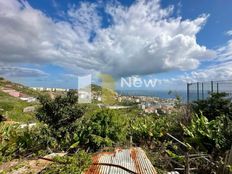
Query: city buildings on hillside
pixel 49 89
pixel 146 103
pixel 151 104
pixel 17 94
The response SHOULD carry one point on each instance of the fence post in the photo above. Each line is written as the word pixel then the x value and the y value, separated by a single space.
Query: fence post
pixel 202 90
pixel 198 92
pixel 217 87
pixel 211 86
pixel 187 166
pixel 188 85
pixel 188 102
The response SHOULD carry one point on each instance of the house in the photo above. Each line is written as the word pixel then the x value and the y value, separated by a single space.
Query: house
pixel 28 99
pixel 152 109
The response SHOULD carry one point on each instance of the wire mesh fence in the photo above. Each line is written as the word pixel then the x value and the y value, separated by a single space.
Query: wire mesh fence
pixel 202 90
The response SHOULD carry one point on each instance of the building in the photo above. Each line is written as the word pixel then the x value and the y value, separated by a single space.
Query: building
pixel 152 109
pixel 49 89
pixel 28 99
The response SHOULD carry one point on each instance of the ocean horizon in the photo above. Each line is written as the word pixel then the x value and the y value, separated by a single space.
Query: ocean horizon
pixel 165 94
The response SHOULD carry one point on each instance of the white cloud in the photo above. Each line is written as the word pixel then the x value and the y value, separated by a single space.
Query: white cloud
pixel 14 71
pixel 229 33
pixel 220 72
pixel 142 39
pixel 70 76
pixel 224 53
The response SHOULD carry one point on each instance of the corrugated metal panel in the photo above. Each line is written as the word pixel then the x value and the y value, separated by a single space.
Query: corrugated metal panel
pixel 122 161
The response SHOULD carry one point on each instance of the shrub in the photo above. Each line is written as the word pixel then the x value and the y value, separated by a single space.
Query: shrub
pixel 103 128
pixel 216 105
pixel 145 130
pixel 60 115
pixel 209 135
pixel 17 141
pixel 75 164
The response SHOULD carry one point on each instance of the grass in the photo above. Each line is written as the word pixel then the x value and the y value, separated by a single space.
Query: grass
pixel 18 87
pixel 13 108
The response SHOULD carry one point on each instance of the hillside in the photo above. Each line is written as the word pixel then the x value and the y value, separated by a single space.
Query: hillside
pixel 18 87
pixel 107 95
pixel 12 107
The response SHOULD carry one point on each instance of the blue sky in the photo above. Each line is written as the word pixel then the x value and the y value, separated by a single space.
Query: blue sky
pixel 52 42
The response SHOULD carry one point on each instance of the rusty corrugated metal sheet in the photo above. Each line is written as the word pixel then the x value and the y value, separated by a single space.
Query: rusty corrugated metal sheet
pixel 122 161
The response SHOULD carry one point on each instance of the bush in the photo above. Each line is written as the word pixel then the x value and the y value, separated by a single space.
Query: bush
pixel 103 128
pixel 75 164
pixel 17 141
pixel 60 115
pixel 145 130
pixel 208 135
pixel 216 105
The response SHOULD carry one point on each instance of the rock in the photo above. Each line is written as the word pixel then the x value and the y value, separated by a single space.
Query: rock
pixel 29 109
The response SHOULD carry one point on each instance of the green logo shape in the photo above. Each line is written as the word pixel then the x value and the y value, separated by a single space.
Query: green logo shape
pixel 108 89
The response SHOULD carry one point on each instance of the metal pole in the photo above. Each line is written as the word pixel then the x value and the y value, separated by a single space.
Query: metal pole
pixel 198 95
pixel 202 89
pixel 188 108
pixel 211 86
pixel 188 85
pixel 217 87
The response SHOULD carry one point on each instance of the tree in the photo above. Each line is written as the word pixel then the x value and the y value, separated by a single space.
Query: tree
pixel 60 113
pixel 216 105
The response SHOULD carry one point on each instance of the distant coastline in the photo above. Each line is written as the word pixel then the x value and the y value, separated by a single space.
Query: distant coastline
pixel 156 93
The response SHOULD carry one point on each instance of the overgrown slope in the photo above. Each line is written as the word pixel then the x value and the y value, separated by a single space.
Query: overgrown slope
pixel 12 107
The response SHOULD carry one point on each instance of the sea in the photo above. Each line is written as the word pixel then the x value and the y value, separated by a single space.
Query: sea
pixel 156 93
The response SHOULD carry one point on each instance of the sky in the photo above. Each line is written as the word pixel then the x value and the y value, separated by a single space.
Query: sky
pixel 51 43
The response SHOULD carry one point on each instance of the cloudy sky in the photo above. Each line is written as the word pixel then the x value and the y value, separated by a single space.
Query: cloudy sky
pixel 52 42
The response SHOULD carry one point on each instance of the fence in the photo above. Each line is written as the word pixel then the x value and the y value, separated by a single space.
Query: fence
pixel 227 167
pixel 201 90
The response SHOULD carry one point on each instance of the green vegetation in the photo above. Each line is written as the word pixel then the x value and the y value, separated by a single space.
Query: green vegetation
pixel 210 136
pixel 60 115
pixel 83 129
pixel 18 142
pixel 18 87
pixel 146 130
pixel 216 105
pixel 76 163
pixel 13 107
pixel 103 128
